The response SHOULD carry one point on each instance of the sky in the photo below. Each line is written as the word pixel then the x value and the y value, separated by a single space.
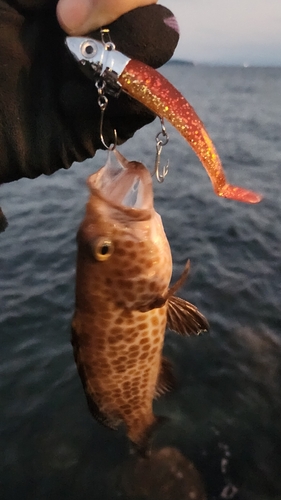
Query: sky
pixel 228 31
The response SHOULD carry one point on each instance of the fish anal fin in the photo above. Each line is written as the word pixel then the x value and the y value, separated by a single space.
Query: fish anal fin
pixel 99 416
pixel 166 379
pixel 184 318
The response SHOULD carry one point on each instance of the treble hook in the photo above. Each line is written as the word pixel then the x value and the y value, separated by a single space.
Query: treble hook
pixel 160 176
pixel 102 102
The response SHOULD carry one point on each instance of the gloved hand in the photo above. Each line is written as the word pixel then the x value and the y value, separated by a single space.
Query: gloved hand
pixel 49 112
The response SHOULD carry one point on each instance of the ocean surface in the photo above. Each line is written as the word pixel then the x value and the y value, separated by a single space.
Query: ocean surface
pixel 225 414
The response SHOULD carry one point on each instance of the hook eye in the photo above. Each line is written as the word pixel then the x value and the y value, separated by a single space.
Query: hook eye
pixel 163 141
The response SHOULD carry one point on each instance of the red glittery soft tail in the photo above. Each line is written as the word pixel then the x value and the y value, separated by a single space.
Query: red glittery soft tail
pixel 154 91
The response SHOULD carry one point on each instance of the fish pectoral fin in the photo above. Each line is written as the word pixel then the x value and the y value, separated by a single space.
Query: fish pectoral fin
pixel 161 300
pixel 180 281
pixel 184 318
pixel 166 379
pixel 154 304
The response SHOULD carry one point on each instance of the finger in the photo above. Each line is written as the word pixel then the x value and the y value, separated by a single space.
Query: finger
pixel 78 17
pixel 149 34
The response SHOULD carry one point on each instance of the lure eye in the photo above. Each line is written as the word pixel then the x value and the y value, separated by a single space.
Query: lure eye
pixel 88 49
pixel 103 249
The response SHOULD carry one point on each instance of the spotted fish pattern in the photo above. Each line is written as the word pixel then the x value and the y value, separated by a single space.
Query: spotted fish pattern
pixel 123 300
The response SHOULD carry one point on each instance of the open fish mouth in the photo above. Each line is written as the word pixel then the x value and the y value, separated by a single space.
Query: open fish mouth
pixel 133 198
pixel 124 184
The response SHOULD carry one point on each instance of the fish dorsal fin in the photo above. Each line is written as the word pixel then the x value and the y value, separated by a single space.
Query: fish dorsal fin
pixel 184 318
pixel 166 380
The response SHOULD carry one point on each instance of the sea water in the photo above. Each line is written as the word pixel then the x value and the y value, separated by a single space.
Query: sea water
pixel 225 413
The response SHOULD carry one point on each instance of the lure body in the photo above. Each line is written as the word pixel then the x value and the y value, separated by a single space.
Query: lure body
pixel 123 301
pixel 156 93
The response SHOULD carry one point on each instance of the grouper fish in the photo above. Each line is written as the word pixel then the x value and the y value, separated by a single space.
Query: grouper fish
pixel 123 300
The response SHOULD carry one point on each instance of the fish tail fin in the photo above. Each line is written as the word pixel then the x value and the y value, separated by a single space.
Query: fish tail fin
pixel 142 444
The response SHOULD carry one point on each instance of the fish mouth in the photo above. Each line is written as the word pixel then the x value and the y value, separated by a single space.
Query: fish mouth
pixel 126 185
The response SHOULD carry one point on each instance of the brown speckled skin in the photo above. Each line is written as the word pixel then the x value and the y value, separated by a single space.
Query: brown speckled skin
pixel 117 347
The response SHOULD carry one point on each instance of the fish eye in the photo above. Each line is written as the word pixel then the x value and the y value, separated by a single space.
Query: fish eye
pixel 103 249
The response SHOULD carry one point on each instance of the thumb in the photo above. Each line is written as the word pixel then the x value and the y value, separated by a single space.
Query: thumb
pixel 78 17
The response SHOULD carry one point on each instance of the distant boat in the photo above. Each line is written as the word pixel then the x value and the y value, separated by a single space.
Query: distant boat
pixel 246 65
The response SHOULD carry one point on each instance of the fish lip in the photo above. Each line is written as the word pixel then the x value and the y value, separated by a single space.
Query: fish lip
pixel 121 212
pixel 125 186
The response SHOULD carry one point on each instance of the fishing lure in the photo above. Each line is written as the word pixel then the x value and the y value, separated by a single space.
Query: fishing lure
pixel 120 73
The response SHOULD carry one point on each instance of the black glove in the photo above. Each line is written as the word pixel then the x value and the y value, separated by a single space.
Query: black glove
pixel 49 111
